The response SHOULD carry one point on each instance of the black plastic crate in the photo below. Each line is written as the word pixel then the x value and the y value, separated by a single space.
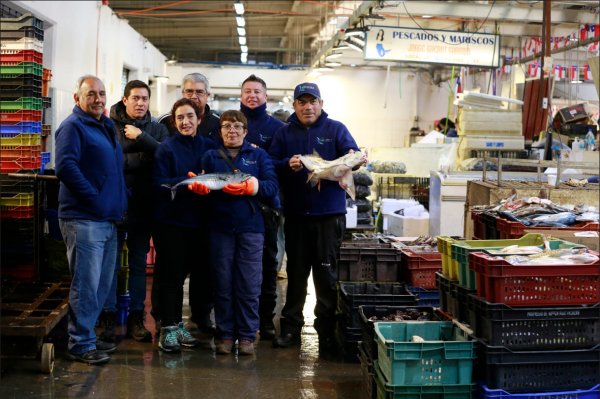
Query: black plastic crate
pixel 462 299
pixel 13 82
pixel 10 187
pixel 537 371
pixel 352 294
pixel 347 340
pixel 368 261
pixel 367 372
pixel 13 94
pixel 21 21
pixel 537 328
pixel 25 31
pixel 46 102
pixel 368 327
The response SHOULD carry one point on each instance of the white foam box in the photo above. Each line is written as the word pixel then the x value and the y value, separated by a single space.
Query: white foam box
pixel 414 226
pixel 489 122
pixel 351 217
pixel 389 206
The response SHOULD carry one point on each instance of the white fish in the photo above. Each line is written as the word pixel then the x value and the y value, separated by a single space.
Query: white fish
pixel 214 181
pixel 339 169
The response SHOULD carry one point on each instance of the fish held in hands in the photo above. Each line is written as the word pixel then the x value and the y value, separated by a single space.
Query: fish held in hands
pixel 339 169
pixel 214 181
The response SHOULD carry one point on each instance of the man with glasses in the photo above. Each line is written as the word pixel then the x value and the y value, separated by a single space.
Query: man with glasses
pixel 139 137
pixel 195 86
pixel 261 128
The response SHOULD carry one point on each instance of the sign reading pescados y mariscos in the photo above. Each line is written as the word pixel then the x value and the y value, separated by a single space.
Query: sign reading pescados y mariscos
pixel 432 46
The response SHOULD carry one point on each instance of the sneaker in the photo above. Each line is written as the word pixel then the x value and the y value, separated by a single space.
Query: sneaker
pixel 90 357
pixel 246 347
pixel 185 338
pixel 224 346
pixel 108 321
pixel 168 341
pixel 106 347
pixel 136 328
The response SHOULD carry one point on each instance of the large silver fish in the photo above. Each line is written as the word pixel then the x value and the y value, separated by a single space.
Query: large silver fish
pixel 339 170
pixel 214 181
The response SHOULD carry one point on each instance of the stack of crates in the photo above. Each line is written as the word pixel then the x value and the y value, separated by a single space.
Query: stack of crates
pixel 536 326
pixel 419 267
pixel 21 108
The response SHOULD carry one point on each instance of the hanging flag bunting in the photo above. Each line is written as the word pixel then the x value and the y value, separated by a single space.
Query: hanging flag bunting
pixel 583 32
pixel 586 72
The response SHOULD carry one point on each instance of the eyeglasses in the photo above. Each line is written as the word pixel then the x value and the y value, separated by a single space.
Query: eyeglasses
pixel 199 93
pixel 238 127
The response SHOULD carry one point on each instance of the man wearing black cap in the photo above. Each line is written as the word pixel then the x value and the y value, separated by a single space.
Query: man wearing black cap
pixel 314 217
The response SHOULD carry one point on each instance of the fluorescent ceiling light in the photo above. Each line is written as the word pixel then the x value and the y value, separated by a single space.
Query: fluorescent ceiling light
pixel 357 41
pixel 239 8
pixel 241 31
pixel 244 49
pixel 576 81
pixel 333 56
pixel 240 21
pixel 242 40
pixel 172 60
pixel 354 47
pixel 244 57
pixel 333 64
pixel 426 16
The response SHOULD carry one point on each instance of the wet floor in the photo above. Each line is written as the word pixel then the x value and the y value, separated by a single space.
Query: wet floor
pixel 140 370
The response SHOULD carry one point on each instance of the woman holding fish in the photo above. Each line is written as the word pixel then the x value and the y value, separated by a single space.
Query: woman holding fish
pixel 181 240
pixel 236 232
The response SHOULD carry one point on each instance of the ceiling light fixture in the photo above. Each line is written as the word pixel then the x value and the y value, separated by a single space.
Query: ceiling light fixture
pixel 240 21
pixel 354 46
pixel 241 31
pixel 333 56
pixel 358 33
pixel 244 49
pixel 427 16
pixel 172 60
pixel 356 41
pixel 244 57
pixel 242 40
pixel 333 64
pixel 239 8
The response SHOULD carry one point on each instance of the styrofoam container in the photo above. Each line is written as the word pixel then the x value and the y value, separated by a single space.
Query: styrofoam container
pixel 389 206
pixel 402 226
pixel 351 217
pixel 493 142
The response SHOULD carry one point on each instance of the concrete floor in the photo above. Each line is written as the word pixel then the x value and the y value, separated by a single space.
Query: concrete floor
pixel 140 370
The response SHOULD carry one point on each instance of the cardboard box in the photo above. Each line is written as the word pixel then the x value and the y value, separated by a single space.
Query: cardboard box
pixel 592 243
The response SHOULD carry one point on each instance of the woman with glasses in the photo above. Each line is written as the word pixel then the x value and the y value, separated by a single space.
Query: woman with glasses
pixel 236 232
pixel 181 238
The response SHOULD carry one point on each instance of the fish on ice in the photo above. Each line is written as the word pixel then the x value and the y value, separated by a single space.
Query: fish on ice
pixel 339 169
pixel 214 181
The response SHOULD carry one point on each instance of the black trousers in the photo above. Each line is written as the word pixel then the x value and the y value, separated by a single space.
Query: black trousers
pixel 268 289
pixel 312 243
pixel 181 251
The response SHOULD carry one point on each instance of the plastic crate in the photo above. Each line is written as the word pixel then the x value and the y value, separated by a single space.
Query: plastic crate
pixel 420 267
pixel 537 328
pixel 25 31
pixel 368 327
pixel 17 56
pixel 426 297
pixel 17 212
pixel 26 43
pixel 9 165
pixel 21 68
pixel 536 285
pixel 23 199
pixel 536 371
pixel 21 140
pixel 18 152
pixel 592 393
pixel 443 284
pixel 22 127
pixel 444 247
pixel 347 339
pixel 20 272
pixel 20 116
pixel 22 103
pixel 491 231
pixel 511 229
pixel 10 186
pixel 388 391
pixel 46 78
pixel 46 102
pixel 478 226
pixel 21 80
pixel 446 356
pixel 24 20
pixel 368 261
pixel 367 373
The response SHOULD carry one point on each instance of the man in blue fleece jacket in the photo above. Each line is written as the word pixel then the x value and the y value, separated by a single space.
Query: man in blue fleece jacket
pixel 314 217
pixel 92 199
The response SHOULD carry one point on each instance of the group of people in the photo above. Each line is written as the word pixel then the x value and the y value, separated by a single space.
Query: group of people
pixel 116 175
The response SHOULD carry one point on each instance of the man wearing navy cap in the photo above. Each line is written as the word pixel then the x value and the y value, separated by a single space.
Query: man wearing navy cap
pixel 314 217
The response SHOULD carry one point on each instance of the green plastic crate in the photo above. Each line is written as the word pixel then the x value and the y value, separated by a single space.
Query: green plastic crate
pixel 461 249
pixel 22 103
pixel 22 68
pixel 450 391
pixel 446 356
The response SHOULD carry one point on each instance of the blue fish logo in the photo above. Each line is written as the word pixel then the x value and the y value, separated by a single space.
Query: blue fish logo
pixel 323 140
pixel 264 138
pixel 248 162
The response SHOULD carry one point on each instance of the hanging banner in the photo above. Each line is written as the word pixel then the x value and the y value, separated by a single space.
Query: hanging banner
pixel 432 46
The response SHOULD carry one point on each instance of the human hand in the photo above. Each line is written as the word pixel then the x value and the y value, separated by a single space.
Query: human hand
pixel 248 187
pixel 295 163
pixel 132 132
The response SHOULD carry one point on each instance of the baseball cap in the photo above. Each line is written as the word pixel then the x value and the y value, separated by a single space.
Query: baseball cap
pixel 307 88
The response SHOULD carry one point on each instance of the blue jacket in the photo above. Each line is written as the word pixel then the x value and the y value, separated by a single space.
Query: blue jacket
pixel 174 158
pixel 261 126
pixel 232 213
pixel 89 164
pixel 331 140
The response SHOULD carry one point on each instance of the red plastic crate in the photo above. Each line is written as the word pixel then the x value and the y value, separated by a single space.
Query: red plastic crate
pixel 509 229
pixel 17 56
pixel 25 272
pixel 24 115
pixel 478 227
pixel 537 285
pixel 8 165
pixel 46 78
pixel 422 278
pixel 420 267
pixel 16 212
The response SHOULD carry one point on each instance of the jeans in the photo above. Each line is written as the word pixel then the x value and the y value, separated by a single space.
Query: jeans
pixel 91 252
pixel 138 245
pixel 237 268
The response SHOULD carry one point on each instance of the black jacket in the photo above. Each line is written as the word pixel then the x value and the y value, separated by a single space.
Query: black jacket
pixel 209 126
pixel 138 159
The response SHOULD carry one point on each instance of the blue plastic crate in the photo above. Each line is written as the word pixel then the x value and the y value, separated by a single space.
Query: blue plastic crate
pixel 22 127
pixel 426 297
pixel 592 393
